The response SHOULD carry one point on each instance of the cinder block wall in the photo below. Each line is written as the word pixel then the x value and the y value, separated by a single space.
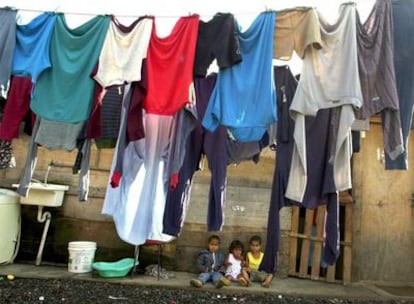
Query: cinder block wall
pixel 246 211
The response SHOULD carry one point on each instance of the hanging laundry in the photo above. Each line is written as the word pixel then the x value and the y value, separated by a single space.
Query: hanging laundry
pixel 32 52
pixel 113 112
pixel 111 118
pixel 211 144
pixel 137 205
pixel 17 107
pixel 59 107
pixel 244 96
pixel 321 131
pixel 217 39
pixel 238 152
pixel 329 79
pixel 184 123
pixel 296 29
pixel 31 57
pixel 377 75
pixel 286 85
pixel 170 67
pixel 103 125
pixel 64 92
pixel 7 45
pixel 131 125
pixel 137 196
pixel 323 111
pixel 55 135
pixel 123 51
pixel 135 124
pixel 403 27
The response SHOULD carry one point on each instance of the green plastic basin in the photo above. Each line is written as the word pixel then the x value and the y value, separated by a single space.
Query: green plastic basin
pixel 114 269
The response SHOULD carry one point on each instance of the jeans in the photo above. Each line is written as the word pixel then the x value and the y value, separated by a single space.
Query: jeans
pixel 210 276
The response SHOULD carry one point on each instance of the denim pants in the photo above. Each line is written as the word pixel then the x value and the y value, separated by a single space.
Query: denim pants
pixel 210 276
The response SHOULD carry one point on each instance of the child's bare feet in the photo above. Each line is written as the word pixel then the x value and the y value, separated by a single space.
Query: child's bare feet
pixel 267 281
pixel 223 282
pixel 243 282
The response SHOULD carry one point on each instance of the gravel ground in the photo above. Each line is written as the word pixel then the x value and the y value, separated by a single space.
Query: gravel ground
pixel 78 291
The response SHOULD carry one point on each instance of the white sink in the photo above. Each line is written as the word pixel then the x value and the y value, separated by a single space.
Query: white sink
pixel 41 194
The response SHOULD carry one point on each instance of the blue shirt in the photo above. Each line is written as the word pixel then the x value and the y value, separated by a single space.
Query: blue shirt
pixel 244 98
pixel 32 51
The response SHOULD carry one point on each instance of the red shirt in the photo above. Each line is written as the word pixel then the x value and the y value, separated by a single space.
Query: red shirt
pixel 170 63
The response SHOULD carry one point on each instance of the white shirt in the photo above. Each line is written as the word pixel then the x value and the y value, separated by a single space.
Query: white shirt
pixel 122 54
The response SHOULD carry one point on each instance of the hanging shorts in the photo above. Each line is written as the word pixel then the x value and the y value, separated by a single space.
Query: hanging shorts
pixel 296 29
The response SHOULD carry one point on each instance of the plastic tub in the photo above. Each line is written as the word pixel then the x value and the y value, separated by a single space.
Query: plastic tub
pixel 114 269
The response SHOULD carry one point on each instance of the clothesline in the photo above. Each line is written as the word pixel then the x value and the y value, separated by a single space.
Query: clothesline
pixel 57 11
pixel 264 8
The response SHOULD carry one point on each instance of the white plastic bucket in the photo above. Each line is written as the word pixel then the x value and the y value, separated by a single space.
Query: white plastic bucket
pixel 9 225
pixel 81 256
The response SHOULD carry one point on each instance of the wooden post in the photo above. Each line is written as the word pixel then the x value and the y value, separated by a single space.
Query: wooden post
pixel 317 247
pixel 347 250
pixel 304 256
pixel 293 247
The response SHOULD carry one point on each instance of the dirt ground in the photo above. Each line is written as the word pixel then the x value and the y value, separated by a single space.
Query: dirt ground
pixel 77 291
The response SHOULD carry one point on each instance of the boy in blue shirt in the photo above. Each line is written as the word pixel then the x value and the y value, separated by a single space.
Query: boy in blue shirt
pixel 210 263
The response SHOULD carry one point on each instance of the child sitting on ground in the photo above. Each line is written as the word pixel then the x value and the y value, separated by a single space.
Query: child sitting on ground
pixel 210 263
pixel 253 259
pixel 234 263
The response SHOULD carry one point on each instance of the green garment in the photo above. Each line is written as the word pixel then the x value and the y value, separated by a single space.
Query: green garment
pixel 64 92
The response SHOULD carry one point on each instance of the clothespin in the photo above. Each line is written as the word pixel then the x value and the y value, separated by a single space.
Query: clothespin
pixel 349 3
pixel 268 9
pixel 56 9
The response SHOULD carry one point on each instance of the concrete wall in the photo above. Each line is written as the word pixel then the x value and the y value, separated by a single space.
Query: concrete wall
pixel 383 242
pixel 246 211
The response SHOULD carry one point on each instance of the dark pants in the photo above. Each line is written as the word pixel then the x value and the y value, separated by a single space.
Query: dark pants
pixel 403 15
pixel 213 145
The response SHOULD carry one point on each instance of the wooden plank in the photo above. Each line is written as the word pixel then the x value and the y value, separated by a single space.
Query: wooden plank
pixel 293 246
pixel 315 238
pixel 308 237
pixel 304 255
pixel 317 246
pixel 347 250
pixel 330 274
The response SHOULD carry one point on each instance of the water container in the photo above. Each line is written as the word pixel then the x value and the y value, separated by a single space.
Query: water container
pixel 9 225
pixel 81 256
